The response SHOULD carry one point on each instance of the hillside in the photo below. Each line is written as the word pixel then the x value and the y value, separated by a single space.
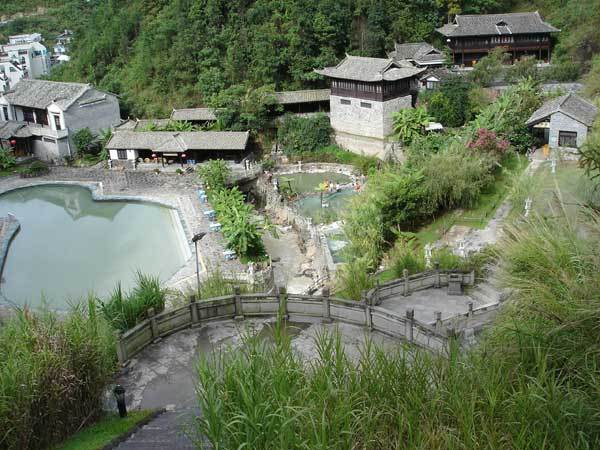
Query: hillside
pixel 162 53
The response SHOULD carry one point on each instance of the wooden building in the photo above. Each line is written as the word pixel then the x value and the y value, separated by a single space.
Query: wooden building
pixel 471 37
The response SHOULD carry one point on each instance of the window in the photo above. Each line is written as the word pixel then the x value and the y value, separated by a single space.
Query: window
pixel 49 140
pixel 343 101
pixel 57 121
pixel 28 116
pixel 365 105
pixel 5 111
pixel 567 139
pixel 122 154
pixel 12 69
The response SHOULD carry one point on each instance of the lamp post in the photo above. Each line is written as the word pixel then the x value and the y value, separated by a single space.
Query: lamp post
pixel 195 239
pixel 119 392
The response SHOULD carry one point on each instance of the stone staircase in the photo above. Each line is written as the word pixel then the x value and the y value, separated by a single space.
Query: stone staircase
pixel 170 430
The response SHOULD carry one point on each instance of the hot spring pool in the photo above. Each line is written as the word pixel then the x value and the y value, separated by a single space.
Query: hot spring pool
pixel 70 245
pixel 310 206
pixel 305 182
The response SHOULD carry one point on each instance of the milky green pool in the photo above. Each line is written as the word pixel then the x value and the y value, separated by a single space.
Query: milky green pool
pixel 70 245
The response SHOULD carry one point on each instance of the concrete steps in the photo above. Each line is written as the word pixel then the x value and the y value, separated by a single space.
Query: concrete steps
pixel 170 430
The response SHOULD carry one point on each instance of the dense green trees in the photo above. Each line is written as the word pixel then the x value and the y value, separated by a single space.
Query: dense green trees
pixel 297 135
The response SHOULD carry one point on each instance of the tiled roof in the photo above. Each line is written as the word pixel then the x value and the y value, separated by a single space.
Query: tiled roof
pixel 571 104
pixel 304 96
pixel 360 68
pixel 496 24
pixel 194 114
pixel 41 93
pixel 12 129
pixel 178 142
pixel 417 51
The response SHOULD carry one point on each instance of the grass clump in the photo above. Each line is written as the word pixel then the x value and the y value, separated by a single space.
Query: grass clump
pixel 103 432
pixel 123 310
pixel 53 372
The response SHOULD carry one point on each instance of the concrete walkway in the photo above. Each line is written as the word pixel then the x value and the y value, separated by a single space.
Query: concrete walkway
pixel 164 374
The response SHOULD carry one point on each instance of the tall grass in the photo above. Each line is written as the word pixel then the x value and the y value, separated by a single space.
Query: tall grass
pixel 533 383
pixel 123 310
pixel 52 375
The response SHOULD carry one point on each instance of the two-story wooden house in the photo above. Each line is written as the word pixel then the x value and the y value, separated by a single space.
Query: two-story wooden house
pixel 471 37
pixel 364 94
pixel 46 114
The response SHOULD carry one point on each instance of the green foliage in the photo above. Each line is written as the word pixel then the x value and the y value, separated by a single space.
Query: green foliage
pixel 523 69
pixel 268 164
pixel 84 141
pixel 531 384
pixel 592 79
pixel 238 224
pixel 298 135
pixel 7 159
pixel 53 373
pixel 490 68
pixel 123 310
pixel 105 431
pixel 450 103
pixel 589 152
pixel 214 174
pixel 410 123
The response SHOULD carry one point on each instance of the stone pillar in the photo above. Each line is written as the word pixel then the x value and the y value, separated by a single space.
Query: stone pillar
pixel 406 287
pixel 282 300
pixel 153 325
pixel 193 310
pixel 438 320
pixel 121 349
pixel 239 313
pixel 368 316
pixel 437 281
pixel 377 288
pixel 410 318
pixel 470 313
pixel 326 306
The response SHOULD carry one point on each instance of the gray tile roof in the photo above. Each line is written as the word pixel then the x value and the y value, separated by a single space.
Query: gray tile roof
pixel 41 93
pixel 142 124
pixel 421 52
pixel 304 96
pixel 570 104
pixel 178 142
pixel 495 24
pixel 360 68
pixel 194 114
pixel 12 129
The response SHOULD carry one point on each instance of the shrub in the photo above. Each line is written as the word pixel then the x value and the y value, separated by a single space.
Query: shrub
pixel 268 164
pixel 450 103
pixel 488 142
pixel 335 154
pixel 405 256
pixel 7 159
pixel 53 373
pixel 123 310
pixel 353 278
pixel 214 173
pixel 589 153
pixel 410 123
pixel 298 135
pixel 85 141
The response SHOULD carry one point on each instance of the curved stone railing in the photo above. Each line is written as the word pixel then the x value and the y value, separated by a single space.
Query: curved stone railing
pixel 292 307
pixel 453 279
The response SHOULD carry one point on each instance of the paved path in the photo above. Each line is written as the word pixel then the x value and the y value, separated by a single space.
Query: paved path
pixel 163 375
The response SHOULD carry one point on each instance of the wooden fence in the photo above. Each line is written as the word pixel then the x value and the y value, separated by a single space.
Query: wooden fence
pixel 292 307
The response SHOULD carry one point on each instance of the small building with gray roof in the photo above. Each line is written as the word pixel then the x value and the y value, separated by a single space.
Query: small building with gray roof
pixel 54 112
pixel 181 147
pixel 564 121
pixel 365 92
pixel 421 54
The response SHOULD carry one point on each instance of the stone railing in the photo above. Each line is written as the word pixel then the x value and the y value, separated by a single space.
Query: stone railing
pixel 455 281
pixel 294 308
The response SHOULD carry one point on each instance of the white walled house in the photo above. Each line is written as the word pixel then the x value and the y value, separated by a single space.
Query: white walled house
pixel 364 94
pixel 10 74
pixel 51 112
pixel 564 122
pixel 32 58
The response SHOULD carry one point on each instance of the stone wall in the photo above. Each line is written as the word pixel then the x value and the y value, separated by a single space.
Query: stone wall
pixel 562 122
pixel 357 118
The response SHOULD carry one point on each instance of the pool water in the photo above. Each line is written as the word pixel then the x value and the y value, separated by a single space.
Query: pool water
pixel 70 245
pixel 310 206
pixel 305 183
